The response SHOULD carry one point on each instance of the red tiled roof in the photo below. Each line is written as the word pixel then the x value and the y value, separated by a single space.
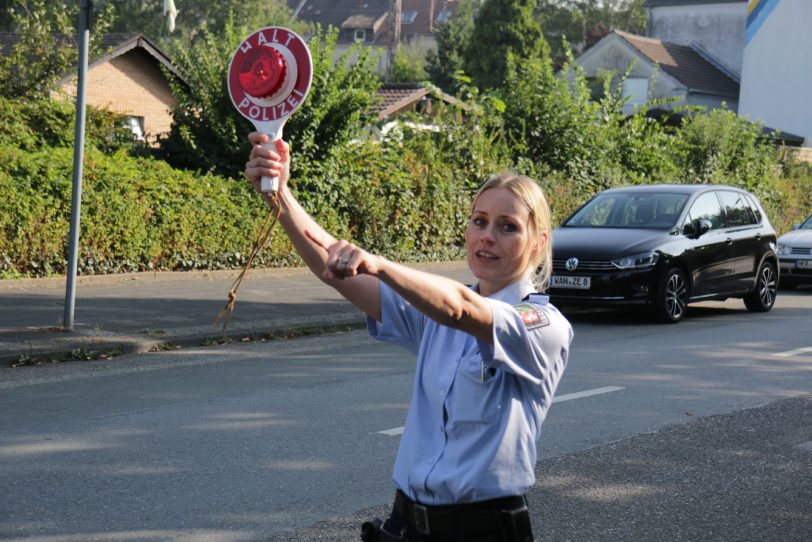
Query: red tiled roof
pixel 684 64
pixel 394 98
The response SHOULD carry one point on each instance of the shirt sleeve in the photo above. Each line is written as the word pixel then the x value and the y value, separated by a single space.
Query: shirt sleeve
pixel 400 324
pixel 530 340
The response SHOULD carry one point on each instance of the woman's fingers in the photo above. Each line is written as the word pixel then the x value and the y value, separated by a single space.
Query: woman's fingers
pixel 257 138
pixel 343 258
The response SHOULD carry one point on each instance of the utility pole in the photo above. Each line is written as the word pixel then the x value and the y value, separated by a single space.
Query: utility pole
pixel 85 10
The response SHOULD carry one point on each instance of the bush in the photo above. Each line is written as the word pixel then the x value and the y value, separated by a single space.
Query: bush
pixel 137 214
pixel 43 122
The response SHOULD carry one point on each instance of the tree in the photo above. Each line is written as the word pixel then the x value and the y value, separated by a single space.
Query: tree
pixel 47 50
pixel 452 38
pixel 207 131
pixel 408 66
pixel 582 22
pixel 503 30
pixel 146 16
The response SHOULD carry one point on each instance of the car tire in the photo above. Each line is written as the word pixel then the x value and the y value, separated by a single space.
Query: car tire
pixel 762 298
pixel 672 299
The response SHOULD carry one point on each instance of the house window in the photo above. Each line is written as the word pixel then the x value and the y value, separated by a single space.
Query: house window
pixel 136 126
pixel 408 17
pixel 360 35
pixel 636 89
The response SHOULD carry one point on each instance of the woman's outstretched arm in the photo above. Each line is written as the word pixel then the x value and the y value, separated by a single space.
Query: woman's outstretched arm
pixel 307 236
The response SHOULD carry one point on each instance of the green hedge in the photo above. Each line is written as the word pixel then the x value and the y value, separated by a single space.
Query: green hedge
pixel 406 197
pixel 137 214
pixel 140 214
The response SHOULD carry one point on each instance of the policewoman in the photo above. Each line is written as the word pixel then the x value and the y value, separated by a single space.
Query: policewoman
pixel 489 357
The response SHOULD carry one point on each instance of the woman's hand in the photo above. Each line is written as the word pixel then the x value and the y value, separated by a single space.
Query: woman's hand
pixel 346 260
pixel 264 161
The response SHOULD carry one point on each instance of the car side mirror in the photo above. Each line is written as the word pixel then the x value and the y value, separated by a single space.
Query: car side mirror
pixel 698 228
pixel 796 226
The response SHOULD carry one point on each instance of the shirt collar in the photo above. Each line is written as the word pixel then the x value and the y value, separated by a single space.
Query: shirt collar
pixel 513 292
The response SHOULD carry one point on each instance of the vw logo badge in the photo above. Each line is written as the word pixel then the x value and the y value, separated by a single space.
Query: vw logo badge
pixel 571 264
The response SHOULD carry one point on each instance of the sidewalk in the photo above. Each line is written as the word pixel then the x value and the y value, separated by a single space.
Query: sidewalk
pixel 139 312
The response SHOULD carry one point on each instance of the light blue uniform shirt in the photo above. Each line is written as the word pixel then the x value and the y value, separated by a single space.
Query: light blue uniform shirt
pixel 476 408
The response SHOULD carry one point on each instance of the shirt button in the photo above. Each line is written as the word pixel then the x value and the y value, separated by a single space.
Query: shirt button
pixel 442 392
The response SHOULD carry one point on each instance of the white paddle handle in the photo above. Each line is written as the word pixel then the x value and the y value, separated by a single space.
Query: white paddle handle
pixel 274 132
pixel 270 184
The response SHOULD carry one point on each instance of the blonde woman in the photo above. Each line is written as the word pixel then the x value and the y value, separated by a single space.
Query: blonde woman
pixel 489 357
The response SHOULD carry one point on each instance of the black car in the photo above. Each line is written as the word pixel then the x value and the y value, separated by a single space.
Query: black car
pixel 663 246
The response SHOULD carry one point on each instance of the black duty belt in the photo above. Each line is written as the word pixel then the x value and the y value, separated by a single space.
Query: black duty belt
pixel 468 518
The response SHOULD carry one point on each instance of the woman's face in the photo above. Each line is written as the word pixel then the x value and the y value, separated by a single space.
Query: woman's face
pixel 499 240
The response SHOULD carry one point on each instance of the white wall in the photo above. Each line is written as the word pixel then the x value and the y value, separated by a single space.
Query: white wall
pixel 716 27
pixel 776 86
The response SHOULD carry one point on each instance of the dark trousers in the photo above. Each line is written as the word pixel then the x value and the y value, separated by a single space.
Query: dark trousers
pixel 498 520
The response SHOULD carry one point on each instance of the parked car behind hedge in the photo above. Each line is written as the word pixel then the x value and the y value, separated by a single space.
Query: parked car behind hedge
pixel 664 246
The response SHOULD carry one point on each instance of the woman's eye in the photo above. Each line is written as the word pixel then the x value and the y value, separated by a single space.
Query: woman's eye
pixel 509 227
pixel 479 221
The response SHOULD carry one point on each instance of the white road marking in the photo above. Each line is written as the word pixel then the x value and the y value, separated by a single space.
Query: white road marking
pixel 587 393
pixel 395 431
pixel 795 352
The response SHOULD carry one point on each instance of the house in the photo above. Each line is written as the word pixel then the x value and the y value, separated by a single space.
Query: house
pixel 397 98
pixel 127 79
pixel 420 19
pixel 719 53
pixel 381 24
pixel 682 72
pixel 777 67
pixel 714 26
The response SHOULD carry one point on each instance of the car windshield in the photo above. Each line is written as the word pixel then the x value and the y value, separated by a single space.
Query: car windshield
pixel 629 210
pixel 807 225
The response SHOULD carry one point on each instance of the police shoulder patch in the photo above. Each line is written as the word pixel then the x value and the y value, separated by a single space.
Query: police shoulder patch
pixel 531 316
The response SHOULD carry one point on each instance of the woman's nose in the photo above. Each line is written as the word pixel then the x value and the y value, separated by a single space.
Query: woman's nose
pixel 487 235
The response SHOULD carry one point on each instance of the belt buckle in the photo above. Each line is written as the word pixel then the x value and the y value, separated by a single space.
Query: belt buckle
pixel 420 516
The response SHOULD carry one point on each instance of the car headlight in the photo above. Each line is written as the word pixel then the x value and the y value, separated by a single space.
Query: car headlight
pixel 637 261
pixel 784 249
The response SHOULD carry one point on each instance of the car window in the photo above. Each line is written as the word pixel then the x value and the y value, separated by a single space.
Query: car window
pixel 755 206
pixel 629 211
pixel 737 209
pixel 807 225
pixel 707 207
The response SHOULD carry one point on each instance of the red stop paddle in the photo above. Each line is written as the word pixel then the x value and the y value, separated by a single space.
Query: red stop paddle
pixel 268 79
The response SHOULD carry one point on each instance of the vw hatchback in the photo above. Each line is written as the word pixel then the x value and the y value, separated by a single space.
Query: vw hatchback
pixel 664 246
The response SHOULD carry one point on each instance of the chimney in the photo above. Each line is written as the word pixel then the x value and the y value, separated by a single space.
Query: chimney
pixel 395 10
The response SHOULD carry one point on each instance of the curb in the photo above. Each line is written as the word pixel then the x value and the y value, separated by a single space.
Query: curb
pixel 93 347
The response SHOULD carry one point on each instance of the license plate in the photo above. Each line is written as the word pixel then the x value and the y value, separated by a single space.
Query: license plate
pixel 803 264
pixel 577 283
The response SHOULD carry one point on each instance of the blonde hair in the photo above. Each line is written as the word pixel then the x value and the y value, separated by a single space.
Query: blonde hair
pixel 531 194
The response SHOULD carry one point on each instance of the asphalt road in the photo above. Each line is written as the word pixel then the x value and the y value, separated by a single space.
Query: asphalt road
pixel 658 432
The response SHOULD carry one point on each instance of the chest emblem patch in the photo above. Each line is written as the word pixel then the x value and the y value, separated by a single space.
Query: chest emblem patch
pixel 531 317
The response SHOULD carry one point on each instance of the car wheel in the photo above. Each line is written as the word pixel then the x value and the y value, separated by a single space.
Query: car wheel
pixel 672 302
pixel 762 298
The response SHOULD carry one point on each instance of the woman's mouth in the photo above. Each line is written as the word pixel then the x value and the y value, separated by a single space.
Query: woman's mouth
pixel 486 256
